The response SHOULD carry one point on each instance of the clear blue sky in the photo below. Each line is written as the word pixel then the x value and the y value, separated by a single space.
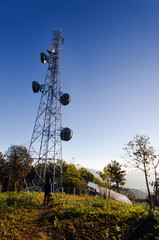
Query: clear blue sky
pixel 110 67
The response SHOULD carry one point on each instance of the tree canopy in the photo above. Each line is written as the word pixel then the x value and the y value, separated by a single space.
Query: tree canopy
pixel 2 171
pixel 113 173
pixel 117 174
pixel 18 164
pixel 76 177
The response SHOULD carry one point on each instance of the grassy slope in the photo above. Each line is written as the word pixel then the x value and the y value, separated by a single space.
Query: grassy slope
pixel 23 216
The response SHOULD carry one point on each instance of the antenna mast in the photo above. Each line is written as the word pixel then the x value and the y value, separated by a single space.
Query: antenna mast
pixel 46 145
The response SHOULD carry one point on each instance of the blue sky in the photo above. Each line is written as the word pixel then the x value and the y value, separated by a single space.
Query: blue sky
pixel 109 66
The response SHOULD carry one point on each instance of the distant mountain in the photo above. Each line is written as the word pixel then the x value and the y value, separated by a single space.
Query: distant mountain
pixel 139 194
pixel 137 181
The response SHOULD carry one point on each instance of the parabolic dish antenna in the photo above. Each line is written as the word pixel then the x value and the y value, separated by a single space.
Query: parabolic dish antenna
pixel 50 49
pixel 65 99
pixel 43 57
pixel 66 134
pixel 35 86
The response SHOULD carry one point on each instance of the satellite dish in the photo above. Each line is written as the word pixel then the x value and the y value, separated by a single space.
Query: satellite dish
pixel 65 99
pixel 66 134
pixel 43 57
pixel 35 86
pixel 50 49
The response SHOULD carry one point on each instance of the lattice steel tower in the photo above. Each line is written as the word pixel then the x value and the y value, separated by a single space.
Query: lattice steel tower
pixel 46 145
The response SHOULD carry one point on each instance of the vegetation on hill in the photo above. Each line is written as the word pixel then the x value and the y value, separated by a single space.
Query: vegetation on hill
pixel 23 216
pixel 16 165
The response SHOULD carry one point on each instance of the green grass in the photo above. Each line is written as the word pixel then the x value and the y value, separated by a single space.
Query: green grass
pixel 23 216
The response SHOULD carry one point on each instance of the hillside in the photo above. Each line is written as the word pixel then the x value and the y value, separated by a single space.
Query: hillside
pixel 23 216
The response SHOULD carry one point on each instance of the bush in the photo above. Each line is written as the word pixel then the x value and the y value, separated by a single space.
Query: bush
pixel 13 200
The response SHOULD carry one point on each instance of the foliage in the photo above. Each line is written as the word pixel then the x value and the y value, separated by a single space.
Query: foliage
pixel 31 175
pixel 72 176
pixel 22 216
pixel 11 201
pixel 140 154
pixel 155 183
pixel 17 165
pixel 2 171
pixel 86 175
pixel 113 173
pixel 76 177
pixel 117 174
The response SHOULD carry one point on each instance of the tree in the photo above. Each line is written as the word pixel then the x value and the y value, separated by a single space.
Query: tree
pixel 18 165
pixel 31 176
pixel 2 171
pixel 140 154
pixel 155 183
pixel 113 173
pixel 86 175
pixel 76 176
pixel 72 177
pixel 116 173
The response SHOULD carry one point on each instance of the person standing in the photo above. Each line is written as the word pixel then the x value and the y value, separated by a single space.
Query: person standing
pixel 47 189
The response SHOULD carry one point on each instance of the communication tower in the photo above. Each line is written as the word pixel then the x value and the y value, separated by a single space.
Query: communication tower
pixel 46 142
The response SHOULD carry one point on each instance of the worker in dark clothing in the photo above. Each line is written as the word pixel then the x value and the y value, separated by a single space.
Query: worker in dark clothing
pixel 47 189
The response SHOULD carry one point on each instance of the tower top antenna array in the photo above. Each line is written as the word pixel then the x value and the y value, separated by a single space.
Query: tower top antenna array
pixel 46 142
